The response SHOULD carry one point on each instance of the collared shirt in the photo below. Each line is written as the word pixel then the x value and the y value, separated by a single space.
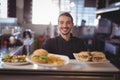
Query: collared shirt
pixel 60 46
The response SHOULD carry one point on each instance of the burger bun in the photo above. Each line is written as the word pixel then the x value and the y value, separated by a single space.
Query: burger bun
pixel 98 56
pixel 35 57
pixel 84 56
pixel 40 52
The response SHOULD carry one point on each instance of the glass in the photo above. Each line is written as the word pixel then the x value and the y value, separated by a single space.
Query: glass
pixel 27 49
pixel 3 53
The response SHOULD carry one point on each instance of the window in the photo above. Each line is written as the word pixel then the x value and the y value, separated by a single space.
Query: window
pixel 3 8
pixel 46 11
pixel 27 11
pixel 7 8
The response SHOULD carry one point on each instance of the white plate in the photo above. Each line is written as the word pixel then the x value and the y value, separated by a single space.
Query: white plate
pixel 23 63
pixel 89 62
pixel 65 58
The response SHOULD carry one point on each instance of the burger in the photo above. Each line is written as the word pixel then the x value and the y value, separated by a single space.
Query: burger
pixel 84 56
pixel 40 56
pixel 98 56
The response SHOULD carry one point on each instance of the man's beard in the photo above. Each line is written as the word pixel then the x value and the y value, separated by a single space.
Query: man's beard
pixel 66 33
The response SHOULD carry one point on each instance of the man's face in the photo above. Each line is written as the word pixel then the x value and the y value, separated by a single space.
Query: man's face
pixel 65 25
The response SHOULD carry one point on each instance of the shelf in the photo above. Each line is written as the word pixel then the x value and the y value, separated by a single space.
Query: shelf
pixel 17 33
pixel 109 9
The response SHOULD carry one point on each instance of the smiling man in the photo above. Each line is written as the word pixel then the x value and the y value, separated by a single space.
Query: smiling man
pixel 65 43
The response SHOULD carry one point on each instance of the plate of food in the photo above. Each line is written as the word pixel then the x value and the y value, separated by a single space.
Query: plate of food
pixel 15 60
pixel 91 57
pixel 42 58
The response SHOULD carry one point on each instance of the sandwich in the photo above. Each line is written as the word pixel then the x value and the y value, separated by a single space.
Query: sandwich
pixel 84 56
pixel 98 56
pixel 40 56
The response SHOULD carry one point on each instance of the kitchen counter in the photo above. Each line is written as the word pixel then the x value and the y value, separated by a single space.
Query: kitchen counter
pixel 71 71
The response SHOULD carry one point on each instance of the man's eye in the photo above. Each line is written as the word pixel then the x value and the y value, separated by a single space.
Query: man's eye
pixel 61 22
pixel 68 22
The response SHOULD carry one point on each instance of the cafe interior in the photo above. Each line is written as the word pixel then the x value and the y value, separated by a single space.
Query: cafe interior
pixel 97 22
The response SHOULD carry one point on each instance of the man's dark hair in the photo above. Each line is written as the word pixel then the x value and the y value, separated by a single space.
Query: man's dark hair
pixel 66 14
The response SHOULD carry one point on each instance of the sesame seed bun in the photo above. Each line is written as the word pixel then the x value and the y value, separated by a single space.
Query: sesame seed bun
pixel 40 52
pixel 37 54
pixel 98 56
pixel 84 56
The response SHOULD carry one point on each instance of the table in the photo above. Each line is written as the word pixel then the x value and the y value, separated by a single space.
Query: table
pixel 71 71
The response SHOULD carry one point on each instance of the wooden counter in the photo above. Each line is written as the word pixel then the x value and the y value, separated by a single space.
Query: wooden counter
pixel 71 71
